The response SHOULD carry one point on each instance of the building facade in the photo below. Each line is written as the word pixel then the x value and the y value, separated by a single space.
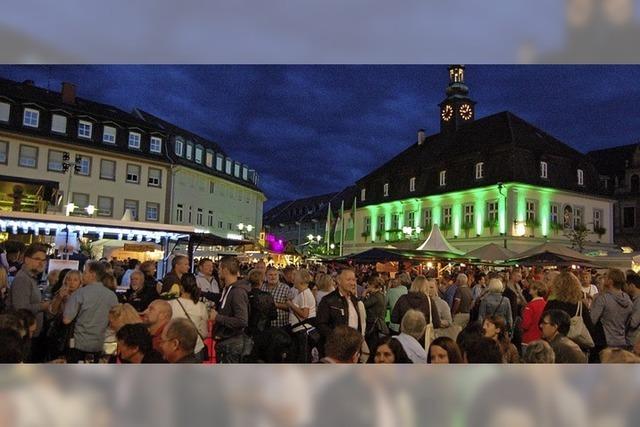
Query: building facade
pixel 61 154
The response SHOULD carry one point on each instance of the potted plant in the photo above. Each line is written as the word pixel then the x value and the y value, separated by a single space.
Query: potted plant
pixel 600 231
pixel 467 226
pixel 491 224
pixel 578 236
pixel 556 227
pixel 532 224
pixel 445 228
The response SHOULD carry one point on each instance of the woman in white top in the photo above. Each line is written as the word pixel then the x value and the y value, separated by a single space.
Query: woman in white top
pixel 303 306
pixel 188 306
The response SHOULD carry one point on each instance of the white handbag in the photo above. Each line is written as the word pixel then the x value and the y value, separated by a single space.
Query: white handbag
pixel 578 331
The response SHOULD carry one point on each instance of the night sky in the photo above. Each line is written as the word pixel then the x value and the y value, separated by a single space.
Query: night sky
pixel 310 130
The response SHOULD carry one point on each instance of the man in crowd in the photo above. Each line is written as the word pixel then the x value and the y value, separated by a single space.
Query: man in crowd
pixel 89 307
pixel 343 345
pixel 555 326
pixel 179 342
pixel 206 282
pixel 135 345
pixel 480 285
pixel 462 300
pixel 171 282
pixel 612 308
pixel 134 265
pixel 588 288
pixel 340 307
pixel 232 317
pixel 279 291
pixel 155 318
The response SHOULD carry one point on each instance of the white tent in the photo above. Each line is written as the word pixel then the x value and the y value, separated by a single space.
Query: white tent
pixel 437 243
pixel 491 252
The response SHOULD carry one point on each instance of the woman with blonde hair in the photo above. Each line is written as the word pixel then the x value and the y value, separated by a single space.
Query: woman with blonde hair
pixel 417 299
pixel 324 285
pixel 119 315
pixel 567 295
pixel 58 334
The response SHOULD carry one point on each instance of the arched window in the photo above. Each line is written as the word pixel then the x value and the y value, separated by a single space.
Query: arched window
pixel 635 184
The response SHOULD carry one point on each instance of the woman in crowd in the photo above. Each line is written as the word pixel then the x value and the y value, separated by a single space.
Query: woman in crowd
pixel 416 299
pixel 444 350
pixel 324 285
pixel 390 351
pixel 375 305
pixel 302 308
pixel 538 351
pixel 58 334
pixel 188 306
pixel 495 304
pixel 119 315
pixel 532 313
pixel 495 327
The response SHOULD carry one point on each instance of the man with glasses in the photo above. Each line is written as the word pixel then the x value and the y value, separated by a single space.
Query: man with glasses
pixel 24 292
pixel 555 326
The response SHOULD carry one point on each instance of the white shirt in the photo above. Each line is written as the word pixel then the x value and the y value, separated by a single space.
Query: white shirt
pixel 304 299
pixel 207 285
pixel 353 313
pixel 198 313
pixel 591 291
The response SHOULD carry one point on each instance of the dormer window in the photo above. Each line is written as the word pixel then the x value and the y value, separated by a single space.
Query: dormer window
pixel 31 118
pixel 155 145
pixel 543 170
pixel 85 129
pixel 228 166
pixel 480 170
pixel 134 140
pixel 109 135
pixel 189 150
pixel 209 159
pixel 198 154
pixel 5 109
pixel 219 162
pixel 580 177
pixel 412 184
pixel 385 190
pixel 58 124
pixel 179 147
pixel 443 178
pixel 363 194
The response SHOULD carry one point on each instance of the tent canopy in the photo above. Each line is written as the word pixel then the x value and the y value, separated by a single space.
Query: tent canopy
pixel 384 255
pixel 553 254
pixel 437 243
pixel 491 252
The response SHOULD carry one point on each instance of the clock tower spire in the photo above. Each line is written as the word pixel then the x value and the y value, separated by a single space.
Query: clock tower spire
pixel 457 108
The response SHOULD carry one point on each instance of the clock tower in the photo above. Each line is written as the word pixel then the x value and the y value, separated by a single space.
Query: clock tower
pixel 457 108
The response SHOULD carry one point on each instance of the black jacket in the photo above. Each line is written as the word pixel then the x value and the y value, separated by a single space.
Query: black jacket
pixel 417 301
pixel 233 318
pixel 263 311
pixel 333 311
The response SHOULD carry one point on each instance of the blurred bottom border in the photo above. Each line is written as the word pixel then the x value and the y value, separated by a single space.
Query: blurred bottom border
pixel 320 395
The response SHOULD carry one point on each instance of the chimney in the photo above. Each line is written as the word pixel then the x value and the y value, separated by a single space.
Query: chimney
pixel 68 93
pixel 421 136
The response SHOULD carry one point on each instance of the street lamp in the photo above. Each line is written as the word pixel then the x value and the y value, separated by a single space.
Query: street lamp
pixel 70 208
pixel 90 209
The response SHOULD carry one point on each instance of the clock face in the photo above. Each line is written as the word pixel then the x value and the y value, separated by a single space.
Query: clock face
pixel 466 112
pixel 447 113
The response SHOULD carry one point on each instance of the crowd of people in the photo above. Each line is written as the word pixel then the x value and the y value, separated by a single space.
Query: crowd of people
pixel 227 312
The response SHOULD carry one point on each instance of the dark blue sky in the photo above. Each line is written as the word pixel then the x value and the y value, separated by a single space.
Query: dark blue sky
pixel 316 129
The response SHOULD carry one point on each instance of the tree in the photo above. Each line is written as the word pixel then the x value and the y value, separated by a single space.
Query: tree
pixel 578 236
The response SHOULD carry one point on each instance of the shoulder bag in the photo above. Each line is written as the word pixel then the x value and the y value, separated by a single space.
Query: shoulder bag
pixel 578 331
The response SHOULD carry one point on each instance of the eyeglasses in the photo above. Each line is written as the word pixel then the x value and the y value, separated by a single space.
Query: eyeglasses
pixel 38 259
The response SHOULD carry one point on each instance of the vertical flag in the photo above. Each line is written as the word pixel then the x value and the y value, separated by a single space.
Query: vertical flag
pixel 353 219
pixel 341 228
pixel 328 228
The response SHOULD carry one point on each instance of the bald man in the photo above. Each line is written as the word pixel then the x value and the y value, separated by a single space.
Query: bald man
pixel 156 317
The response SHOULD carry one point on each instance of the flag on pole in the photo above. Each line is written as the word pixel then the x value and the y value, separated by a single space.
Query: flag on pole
pixel 353 220
pixel 328 227
pixel 341 227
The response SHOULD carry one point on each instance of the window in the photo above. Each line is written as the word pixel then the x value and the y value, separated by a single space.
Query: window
pixel 597 218
pixel 411 216
pixel 155 145
pixel 229 226
pixel 629 217
pixel 363 194
pixel 31 117
pixel 635 183
pixel 412 184
pixel 108 169
pixel 155 177
pixel 468 214
pixel 443 178
pixel 227 168
pixel 427 219
pixel 134 140
pixel 212 187
pixel 84 129
pixel 179 213
pixel 153 211
pixel 446 215
pixel 209 159
pixel 543 170
pixel 109 134
pixel 385 190
pixel 4 152
pixel 236 170
pixel 132 205
pixel 85 166
pixel 479 170
pixel 219 162
pixel 189 218
pixel 54 161
pixel 81 201
pixel 381 224
pixel 210 219
pixel 28 156
pixel 580 177
pixel 220 225
pixel 198 154
pixel 5 109
pixel 245 173
pixel 105 206
pixel 58 123
pixel 492 211
pixel 394 221
pixel 577 217
pixel 531 210
pixel 199 216
pixel 133 174
pixel 367 225
pixel 179 147
pixel 189 150
pixel 554 214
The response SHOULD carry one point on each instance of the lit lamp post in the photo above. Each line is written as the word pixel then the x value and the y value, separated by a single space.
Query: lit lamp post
pixel 314 241
pixel 408 231
pixel 244 229
pixel 90 210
